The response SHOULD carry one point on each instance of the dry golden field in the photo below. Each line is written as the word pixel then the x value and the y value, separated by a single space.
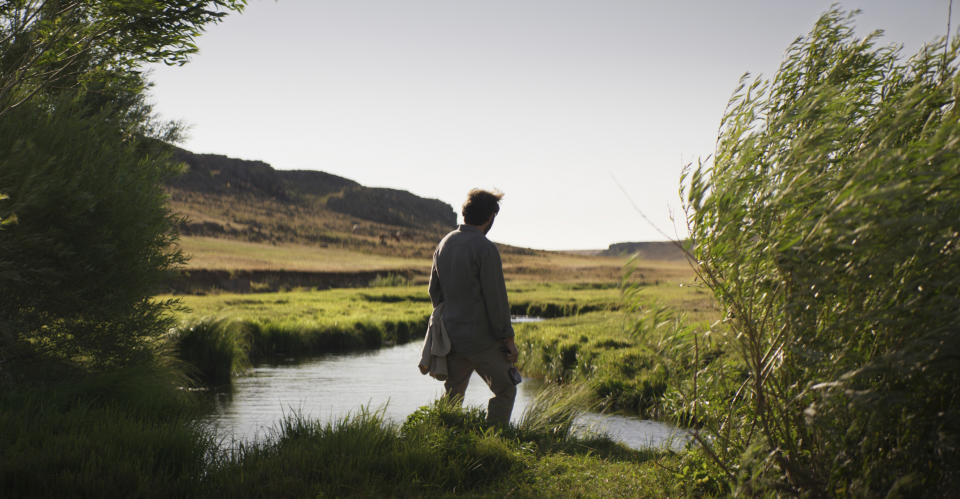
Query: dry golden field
pixel 538 266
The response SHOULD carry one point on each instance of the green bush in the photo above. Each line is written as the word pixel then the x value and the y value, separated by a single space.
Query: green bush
pixel 92 239
pixel 827 227
pixel 87 235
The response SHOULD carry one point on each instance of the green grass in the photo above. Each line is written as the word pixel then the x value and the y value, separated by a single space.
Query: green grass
pixel 221 334
pixel 213 350
pixel 126 433
pixel 129 434
pixel 312 309
pixel 440 450
pixel 632 357
pixel 549 300
pixel 596 349
pixel 308 308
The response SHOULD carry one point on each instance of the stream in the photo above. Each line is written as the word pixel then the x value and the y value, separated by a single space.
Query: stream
pixel 331 386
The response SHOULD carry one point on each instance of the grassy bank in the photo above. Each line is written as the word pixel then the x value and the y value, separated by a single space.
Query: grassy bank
pixel 220 348
pixel 438 451
pixel 632 358
pixel 129 434
pixel 550 300
pixel 222 334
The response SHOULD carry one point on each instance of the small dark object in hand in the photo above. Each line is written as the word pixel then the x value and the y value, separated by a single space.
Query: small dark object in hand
pixel 514 375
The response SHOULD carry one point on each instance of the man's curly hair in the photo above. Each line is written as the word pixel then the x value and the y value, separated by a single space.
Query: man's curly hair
pixel 480 205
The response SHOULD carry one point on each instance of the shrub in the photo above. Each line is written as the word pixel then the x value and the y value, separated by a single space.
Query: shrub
pixel 92 239
pixel 827 227
pixel 88 235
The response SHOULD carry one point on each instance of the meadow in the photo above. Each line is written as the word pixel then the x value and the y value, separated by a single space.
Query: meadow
pixel 310 308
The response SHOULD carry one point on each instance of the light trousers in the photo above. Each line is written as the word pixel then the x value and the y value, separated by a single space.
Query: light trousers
pixel 492 366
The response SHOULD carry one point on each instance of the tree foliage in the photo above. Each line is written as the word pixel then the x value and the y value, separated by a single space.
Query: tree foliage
pixel 56 45
pixel 92 238
pixel 828 226
pixel 86 236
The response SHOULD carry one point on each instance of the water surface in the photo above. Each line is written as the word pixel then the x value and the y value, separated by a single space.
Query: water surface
pixel 331 386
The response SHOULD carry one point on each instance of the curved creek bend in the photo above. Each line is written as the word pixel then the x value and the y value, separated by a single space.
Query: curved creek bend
pixel 332 386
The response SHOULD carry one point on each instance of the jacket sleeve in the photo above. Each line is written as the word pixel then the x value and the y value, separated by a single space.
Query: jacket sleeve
pixel 436 292
pixel 494 291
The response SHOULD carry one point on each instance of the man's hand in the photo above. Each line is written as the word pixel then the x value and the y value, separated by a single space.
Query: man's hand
pixel 511 350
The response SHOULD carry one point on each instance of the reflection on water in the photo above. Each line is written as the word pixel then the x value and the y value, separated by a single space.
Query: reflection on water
pixel 331 386
pixel 524 318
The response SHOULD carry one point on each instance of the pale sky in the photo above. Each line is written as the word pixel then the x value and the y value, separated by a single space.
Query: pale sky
pixel 546 100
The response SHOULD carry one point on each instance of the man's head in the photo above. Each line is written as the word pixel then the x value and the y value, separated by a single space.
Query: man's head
pixel 481 206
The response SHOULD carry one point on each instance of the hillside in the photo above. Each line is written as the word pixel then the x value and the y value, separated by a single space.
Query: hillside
pixel 222 175
pixel 251 201
pixel 650 250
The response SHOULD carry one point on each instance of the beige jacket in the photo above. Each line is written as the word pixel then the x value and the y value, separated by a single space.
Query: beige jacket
pixel 467 275
pixel 436 346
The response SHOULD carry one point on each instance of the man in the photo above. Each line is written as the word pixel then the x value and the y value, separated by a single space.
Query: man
pixel 467 277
